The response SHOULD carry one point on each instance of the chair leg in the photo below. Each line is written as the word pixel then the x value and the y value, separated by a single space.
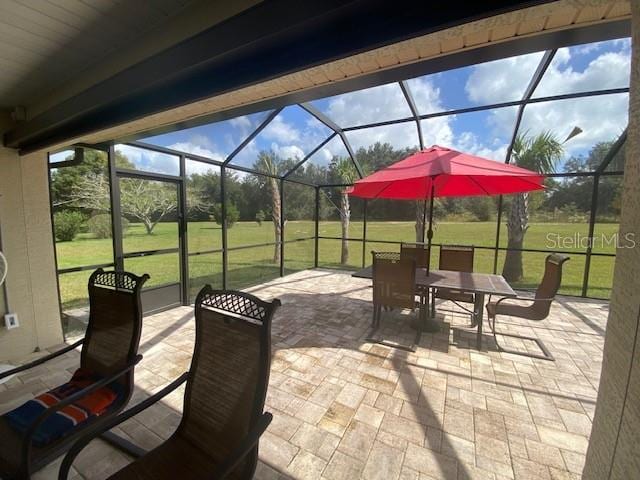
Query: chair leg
pixel 375 325
pixel 546 354
pixel 123 444
pixel 433 306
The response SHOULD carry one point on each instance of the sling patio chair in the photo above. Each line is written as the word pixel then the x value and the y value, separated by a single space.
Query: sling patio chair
pixel 418 252
pixel 42 429
pixel 394 286
pixel 537 310
pixel 226 386
pixel 456 258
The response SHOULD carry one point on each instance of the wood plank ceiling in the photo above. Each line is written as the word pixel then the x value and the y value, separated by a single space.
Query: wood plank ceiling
pixel 45 43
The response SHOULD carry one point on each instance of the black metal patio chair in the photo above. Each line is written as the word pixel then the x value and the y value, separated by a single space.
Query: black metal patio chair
pixel 394 286
pixel 537 310
pixel 109 352
pixel 226 387
pixel 418 252
pixel 456 258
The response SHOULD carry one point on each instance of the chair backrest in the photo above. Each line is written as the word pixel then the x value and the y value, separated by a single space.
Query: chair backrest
pixel 418 252
pixel 115 322
pixel 457 258
pixel 393 280
pixel 550 283
pixel 229 373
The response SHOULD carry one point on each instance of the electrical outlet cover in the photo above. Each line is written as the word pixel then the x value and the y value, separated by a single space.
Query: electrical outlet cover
pixel 11 321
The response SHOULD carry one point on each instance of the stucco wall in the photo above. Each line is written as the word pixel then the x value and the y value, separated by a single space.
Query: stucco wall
pixel 28 245
pixel 614 449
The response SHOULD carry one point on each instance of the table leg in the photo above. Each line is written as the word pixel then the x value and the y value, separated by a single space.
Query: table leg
pixel 478 318
pixel 429 324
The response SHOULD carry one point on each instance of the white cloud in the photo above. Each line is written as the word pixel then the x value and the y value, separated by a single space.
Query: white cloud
pixel 281 131
pixel 388 103
pixel 61 156
pixel 150 160
pixel 609 70
pixel 288 151
pixel 601 118
pixel 400 135
pixel 196 148
pixel 201 140
pixel 469 142
pixel 501 80
pixel 438 131
pixel 385 102
pixel 425 95
pixel 243 122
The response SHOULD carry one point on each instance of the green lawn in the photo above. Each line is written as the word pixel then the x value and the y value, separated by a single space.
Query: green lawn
pixel 250 266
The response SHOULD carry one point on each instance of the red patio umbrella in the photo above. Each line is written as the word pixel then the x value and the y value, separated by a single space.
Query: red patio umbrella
pixel 443 172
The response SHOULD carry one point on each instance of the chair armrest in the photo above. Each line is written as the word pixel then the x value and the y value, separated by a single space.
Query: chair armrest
pixel 28 437
pixel 93 433
pixel 236 456
pixel 525 299
pixel 41 360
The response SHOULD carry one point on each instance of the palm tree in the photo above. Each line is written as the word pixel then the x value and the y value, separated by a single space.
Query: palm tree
pixel 268 163
pixel 344 172
pixel 539 153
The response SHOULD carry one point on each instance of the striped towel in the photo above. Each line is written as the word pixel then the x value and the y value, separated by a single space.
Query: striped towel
pixel 65 420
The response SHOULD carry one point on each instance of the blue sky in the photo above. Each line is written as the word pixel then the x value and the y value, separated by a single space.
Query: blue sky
pixel 294 133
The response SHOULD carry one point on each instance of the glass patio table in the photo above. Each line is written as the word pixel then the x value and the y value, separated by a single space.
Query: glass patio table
pixel 479 284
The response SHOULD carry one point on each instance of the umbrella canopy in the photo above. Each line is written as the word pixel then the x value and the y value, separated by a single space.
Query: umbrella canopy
pixel 443 172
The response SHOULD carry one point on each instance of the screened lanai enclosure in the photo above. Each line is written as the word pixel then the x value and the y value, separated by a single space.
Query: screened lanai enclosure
pixel 248 199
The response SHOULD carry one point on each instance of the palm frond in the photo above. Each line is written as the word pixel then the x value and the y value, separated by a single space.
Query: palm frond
pixel 540 153
pixel 344 169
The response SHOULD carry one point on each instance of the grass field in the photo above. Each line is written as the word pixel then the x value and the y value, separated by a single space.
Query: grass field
pixel 254 265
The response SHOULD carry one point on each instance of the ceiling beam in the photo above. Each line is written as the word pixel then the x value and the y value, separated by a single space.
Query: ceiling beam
pixel 406 91
pixel 337 129
pixel 253 135
pixel 309 155
pixel 613 151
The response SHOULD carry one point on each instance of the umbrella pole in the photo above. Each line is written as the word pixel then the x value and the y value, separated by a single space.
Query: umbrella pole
pixel 430 230
pixel 424 220
pixel 429 325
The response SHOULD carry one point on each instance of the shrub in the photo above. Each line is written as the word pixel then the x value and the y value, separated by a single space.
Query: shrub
pixel 480 208
pixel 260 216
pixel 100 225
pixel 233 214
pixel 67 224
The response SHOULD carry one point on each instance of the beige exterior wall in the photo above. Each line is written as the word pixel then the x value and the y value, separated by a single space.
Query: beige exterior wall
pixel 28 245
pixel 614 450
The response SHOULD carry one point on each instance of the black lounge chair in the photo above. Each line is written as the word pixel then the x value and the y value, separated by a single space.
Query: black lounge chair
pixel 109 350
pixel 226 386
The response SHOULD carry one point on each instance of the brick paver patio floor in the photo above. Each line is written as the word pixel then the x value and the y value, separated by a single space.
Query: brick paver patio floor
pixel 346 409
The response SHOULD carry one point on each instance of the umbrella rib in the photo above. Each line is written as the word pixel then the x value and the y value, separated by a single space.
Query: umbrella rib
pixel 478 184
pixel 385 187
pixel 525 179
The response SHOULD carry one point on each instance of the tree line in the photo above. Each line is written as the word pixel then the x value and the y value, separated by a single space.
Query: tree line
pixel 83 191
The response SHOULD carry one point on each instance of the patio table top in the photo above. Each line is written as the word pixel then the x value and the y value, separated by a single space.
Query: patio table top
pixel 485 283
